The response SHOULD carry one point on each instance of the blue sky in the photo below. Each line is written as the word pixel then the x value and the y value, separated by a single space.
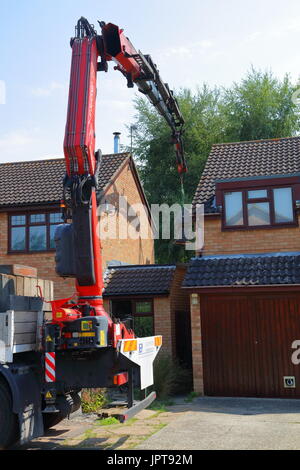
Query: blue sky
pixel 191 41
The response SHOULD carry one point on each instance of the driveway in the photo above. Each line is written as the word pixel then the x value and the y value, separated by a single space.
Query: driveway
pixel 231 423
pixel 86 431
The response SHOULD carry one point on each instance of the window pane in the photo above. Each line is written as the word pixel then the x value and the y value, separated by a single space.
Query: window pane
pixel 18 238
pixel 143 307
pixel 37 218
pixel 259 213
pixel 283 205
pixel 55 218
pixel 52 232
pixel 18 219
pixel 234 208
pixel 37 238
pixel 257 194
pixel 143 326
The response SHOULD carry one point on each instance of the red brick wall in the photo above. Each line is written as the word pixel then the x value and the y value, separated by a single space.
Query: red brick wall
pixel 179 301
pixel 248 241
pixel 163 323
pixel 130 251
pixel 196 344
pixel 165 308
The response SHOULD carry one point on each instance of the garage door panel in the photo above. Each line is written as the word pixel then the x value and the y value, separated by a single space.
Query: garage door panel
pixel 247 344
pixel 228 356
pixel 278 326
pixel 270 327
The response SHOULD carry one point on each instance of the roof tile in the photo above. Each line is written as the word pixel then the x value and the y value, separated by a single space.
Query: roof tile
pixel 243 270
pixel 247 159
pixel 138 280
pixel 40 181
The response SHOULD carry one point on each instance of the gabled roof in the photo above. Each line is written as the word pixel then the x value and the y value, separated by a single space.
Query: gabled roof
pixel 243 270
pixel 247 159
pixel 40 181
pixel 138 280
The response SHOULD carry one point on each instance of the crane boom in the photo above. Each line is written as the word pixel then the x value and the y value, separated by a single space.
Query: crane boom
pixel 138 69
pixel 91 53
pixel 82 325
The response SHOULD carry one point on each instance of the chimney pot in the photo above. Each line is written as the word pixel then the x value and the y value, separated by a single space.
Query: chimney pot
pixel 116 141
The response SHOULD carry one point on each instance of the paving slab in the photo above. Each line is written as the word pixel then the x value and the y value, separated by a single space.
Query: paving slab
pixel 84 431
pixel 231 424
pixel 206 423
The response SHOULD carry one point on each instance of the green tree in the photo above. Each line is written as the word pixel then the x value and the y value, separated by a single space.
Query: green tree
pixel 156 155
pixel 258 107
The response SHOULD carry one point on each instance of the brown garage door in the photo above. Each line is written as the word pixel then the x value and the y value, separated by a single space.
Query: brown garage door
pixel 246 343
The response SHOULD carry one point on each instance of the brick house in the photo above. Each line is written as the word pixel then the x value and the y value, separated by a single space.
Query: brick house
pixel 152 295
pixel 244 285
pixel 30 196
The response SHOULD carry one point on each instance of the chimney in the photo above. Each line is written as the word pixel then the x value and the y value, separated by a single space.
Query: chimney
pixel 116 141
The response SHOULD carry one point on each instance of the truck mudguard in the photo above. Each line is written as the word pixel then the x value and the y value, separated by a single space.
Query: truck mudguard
pixel 25 389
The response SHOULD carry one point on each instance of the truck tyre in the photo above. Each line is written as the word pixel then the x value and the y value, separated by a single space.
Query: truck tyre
pixel 8 420
pixel 67 405
pixel 52 419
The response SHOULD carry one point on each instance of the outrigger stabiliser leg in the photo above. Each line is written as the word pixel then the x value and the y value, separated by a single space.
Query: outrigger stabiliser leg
pixel 132 406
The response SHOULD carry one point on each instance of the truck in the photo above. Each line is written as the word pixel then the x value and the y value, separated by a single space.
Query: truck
pixel 50 351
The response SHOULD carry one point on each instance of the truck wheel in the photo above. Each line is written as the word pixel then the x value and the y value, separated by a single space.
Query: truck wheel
pixel 67 404
pixel 8 420
pixel 52 419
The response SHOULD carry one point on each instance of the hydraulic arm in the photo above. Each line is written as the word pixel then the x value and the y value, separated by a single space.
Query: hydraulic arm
pixel 108 349
pixel 139 69
pixel 91 53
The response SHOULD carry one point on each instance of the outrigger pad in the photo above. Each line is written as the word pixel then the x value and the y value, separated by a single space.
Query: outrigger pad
pixel 64 243
pixel 137 407
pixel 133 410
pixel 83 246
pixel 74 249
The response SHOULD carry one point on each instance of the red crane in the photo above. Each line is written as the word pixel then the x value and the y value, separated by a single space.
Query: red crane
pixel 82 162
pixel 82 324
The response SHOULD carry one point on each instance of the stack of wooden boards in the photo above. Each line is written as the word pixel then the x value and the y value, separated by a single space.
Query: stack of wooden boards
pixel 24 301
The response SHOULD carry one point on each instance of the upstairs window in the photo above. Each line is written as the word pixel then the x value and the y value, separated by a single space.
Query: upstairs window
pixel 258 208
pixel 33 232
pixel 234 208
pixel 283 204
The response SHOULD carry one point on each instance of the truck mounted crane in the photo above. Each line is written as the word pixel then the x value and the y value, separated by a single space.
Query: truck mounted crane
pixel 82 346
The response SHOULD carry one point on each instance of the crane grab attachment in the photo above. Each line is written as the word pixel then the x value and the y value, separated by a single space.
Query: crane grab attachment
pixel 140 69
